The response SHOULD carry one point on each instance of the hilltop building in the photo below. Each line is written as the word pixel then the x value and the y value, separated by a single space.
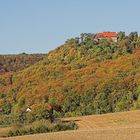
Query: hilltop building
pixel 112 35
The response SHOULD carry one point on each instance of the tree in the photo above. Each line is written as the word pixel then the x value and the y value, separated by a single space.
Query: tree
pixel 121 36
pixel 71 103
pixel 133 36
pixel 102 103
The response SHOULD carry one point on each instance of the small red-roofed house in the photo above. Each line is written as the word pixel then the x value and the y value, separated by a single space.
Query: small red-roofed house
pixel 112 35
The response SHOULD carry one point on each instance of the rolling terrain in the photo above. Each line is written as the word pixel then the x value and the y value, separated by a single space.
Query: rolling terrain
pixel 112 126
pixel 81 77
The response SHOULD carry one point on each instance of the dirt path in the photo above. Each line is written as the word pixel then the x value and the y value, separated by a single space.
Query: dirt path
pixel 113 126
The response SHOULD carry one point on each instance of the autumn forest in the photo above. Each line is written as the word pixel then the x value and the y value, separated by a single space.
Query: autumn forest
pixel 81 77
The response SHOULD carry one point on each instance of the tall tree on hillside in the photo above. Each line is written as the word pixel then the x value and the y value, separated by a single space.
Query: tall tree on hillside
pixel 133 36
pixel 121 36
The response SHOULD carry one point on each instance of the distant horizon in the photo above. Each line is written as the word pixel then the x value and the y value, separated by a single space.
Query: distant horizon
pixel 41 26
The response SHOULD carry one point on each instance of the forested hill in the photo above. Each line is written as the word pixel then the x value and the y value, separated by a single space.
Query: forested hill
pixel 14 63
pixel 83 77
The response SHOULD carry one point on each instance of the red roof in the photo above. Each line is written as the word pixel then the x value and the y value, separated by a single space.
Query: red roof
pixel 106 34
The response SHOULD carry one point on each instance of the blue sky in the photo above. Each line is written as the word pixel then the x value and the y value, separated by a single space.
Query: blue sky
pixel 38 26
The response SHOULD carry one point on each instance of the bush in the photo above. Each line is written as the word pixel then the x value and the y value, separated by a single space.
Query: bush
pixel 28 130
pixel 42 126
pixel 63 127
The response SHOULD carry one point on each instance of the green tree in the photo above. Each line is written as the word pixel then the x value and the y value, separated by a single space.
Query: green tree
pixel 133 36
pixel 102 104
pixel 121 36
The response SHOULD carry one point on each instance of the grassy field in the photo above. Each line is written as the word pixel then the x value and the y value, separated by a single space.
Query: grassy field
pixel 4 131
pixel 113 126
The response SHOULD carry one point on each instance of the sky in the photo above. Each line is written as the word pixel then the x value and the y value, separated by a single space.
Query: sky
pixel 38 26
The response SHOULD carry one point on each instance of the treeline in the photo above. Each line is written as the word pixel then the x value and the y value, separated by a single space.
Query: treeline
pixel 85 47
pixel 19 62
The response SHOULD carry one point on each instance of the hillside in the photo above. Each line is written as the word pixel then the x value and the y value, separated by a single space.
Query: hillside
pixel 14 63
pixel 81 77
pixel 113 126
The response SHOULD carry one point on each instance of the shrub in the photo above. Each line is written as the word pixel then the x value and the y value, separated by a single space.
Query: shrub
pixel 42 127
